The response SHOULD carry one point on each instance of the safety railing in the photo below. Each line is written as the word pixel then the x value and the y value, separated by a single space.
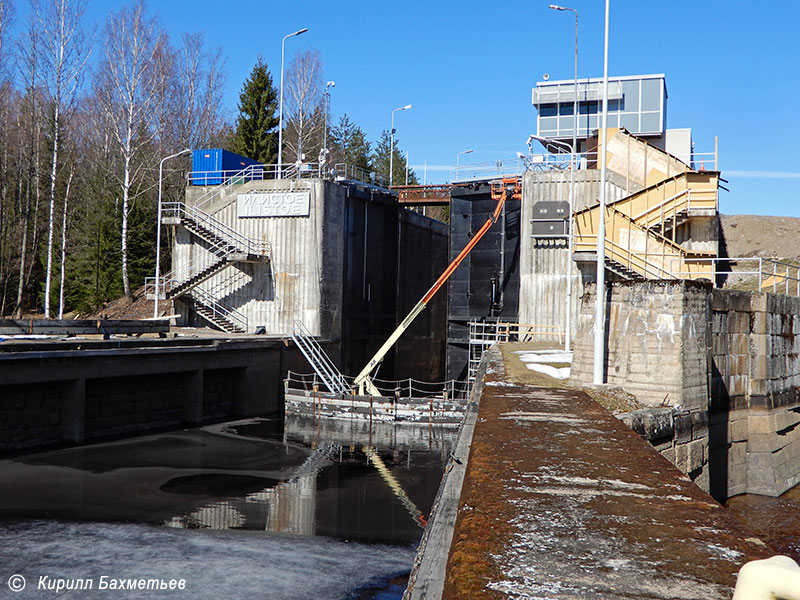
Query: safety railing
pixel 219 229
pixel 667 199
pixel 492 332
pixel 233 317
pixel 401 388
pixel 637 249
pixel 319 360
pixel 223 180
pixel 483 334
pixel 343 171
pixel 219 250
pixel 753 272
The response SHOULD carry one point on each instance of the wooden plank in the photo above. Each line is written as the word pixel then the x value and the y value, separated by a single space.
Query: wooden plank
pixel 81 326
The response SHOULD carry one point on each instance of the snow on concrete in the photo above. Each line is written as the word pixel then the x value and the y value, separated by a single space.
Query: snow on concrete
pixel 541 361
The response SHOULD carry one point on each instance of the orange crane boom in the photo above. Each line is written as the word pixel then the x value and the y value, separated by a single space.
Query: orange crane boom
pixel 501 189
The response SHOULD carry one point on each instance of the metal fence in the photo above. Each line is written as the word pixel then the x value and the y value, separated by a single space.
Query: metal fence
pixel 400 388
pixel 774 275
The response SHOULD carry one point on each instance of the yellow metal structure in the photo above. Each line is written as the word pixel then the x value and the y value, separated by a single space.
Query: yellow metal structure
pixel 636 224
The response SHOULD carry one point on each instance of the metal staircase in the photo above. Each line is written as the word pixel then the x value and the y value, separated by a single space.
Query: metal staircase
pixel 226 319
pixel 226 246
pixel 322 364
pixel 636 246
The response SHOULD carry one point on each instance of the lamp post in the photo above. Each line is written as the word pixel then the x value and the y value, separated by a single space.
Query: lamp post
pixel 599 316
pixel 280 110
pixel 575 100
pixel 391 145
pixel 158 227
pixel 328 85
pixel 458 156
pixel 568 317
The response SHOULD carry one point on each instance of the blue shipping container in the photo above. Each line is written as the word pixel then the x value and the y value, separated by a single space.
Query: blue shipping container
pixel 216 165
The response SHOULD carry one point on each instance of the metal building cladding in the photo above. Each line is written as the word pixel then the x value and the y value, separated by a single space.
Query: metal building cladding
pixel 211 166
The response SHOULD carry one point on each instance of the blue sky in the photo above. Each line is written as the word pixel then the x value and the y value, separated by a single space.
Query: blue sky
pixel 468 67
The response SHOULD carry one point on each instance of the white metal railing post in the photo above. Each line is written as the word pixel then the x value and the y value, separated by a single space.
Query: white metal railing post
pixel 774 277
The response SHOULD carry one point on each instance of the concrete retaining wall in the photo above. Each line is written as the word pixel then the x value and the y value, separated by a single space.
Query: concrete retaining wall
pixel 724 364
pixel 69 396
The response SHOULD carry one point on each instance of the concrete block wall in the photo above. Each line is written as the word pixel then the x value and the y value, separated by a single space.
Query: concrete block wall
pixel 656 341
pixel 730 362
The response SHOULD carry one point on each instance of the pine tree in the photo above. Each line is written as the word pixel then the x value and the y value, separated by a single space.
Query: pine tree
pixel 256 133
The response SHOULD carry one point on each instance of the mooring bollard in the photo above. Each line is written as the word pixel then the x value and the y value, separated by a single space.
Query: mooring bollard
pixel 776 578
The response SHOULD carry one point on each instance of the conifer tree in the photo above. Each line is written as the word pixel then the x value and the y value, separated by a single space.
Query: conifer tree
pixel 380 161
pixel 256 134
pixel 349 144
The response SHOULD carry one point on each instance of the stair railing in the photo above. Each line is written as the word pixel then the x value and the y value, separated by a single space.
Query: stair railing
pixel 220 230
pixel 230 316
pixel 319 360
pixel 633 260
pixel 178 277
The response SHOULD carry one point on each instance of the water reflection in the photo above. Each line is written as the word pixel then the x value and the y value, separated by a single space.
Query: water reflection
pixel 362 470
pixel 344 480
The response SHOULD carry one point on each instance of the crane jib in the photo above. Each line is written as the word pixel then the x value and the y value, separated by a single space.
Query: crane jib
pixel 362 377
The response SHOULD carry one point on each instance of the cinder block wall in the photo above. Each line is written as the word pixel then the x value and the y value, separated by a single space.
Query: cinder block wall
pixel 726 367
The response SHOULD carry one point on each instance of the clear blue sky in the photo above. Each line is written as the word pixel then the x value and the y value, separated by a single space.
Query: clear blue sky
pixel 468 67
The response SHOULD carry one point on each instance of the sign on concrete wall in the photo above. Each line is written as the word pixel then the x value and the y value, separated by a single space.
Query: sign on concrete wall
pixel 273 204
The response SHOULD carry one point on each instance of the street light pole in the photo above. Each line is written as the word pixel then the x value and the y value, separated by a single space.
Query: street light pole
pixel 575 99
pixel 391 145
pixel 328 85
pixel 158 227
pixel 599 316
pixel 280 110
pixel 458 156
pixel 568 316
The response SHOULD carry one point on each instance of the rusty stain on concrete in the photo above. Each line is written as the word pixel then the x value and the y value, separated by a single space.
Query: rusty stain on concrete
pixel 579 506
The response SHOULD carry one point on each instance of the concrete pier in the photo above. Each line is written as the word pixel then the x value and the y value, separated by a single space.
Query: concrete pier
pixel 562 500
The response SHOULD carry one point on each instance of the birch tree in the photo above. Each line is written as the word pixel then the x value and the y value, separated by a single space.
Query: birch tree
pixel 128 86
pixel 304 107
pixel 29 125
pixel 64 55
pixel 200 81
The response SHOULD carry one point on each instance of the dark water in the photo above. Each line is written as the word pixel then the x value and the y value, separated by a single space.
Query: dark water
pixel 249 509
pixel 775 520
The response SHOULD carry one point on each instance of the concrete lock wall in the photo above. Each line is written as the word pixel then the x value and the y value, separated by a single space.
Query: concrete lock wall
pixel 57 396
pixel 350 269
pixel 545 262
pixel 720 370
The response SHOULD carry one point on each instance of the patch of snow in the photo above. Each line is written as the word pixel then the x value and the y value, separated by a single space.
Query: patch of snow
pixel 555 372
pixel 500 383
pixel 545 356
pixel 543 417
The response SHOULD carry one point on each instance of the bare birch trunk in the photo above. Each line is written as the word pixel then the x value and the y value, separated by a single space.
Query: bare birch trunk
pixel 64 244
pixel 51 221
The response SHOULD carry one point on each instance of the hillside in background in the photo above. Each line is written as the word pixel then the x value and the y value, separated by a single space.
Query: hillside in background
pixel 757 235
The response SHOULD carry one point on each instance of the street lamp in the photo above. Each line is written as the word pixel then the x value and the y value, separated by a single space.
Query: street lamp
pixel 158 227
pixel 568 317
pixel 328 85
pixel 280 110
pixel 598 374
pixel 458 156
pixel 575 100
pixel 391 145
